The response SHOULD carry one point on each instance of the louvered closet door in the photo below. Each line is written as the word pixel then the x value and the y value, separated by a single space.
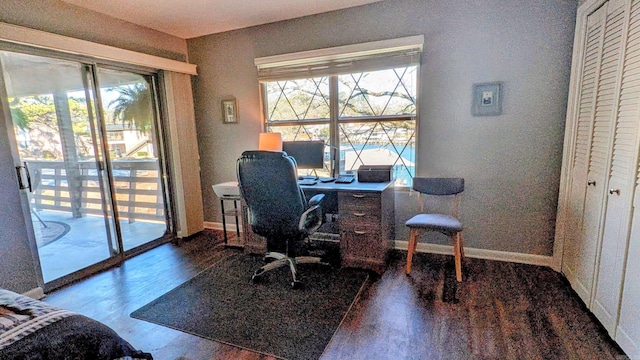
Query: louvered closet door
pixel 628 331
pixel 602 136
pixel 579 254
pixel 621 184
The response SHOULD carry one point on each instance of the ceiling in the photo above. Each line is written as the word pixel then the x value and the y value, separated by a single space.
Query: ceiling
pixel 192 18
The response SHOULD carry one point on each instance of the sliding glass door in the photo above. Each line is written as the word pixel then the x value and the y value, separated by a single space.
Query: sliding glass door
pixel 133 136
pixel 87 151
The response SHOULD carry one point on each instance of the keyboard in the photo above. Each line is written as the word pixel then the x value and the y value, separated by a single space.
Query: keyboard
pixel 345 178
pixel 307 182
pixel 326 179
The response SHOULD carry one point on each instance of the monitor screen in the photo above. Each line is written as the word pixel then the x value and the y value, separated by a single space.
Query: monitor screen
pixel 308 154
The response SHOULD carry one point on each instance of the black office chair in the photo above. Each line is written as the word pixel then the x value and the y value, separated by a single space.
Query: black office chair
pixel 278 208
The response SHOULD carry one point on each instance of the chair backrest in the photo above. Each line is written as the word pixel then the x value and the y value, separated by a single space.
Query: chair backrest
pixel 269 185
pixel 440 187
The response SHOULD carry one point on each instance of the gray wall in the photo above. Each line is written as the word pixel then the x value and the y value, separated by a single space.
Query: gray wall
pixel 511 162
pixel 17 265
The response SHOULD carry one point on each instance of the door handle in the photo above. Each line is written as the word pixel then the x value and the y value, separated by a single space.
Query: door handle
pixel 21 183
pixel 614 191
pixel 26 169
pixel 591 182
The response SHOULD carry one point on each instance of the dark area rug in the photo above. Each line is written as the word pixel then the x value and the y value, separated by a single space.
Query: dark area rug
pixel 222 304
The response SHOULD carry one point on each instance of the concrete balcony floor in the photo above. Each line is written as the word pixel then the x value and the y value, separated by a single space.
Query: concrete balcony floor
pixel 81 242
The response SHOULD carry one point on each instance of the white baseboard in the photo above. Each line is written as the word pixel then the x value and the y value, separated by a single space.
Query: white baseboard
pixel 36 293
pixel 530 259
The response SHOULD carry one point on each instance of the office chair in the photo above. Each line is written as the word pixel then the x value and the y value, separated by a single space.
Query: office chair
pixel 448 225
pixel 278 208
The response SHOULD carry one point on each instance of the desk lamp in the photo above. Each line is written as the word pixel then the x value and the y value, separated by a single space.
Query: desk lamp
pixel 270 141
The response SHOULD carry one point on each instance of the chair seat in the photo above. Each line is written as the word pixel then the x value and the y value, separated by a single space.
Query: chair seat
pixel 446 224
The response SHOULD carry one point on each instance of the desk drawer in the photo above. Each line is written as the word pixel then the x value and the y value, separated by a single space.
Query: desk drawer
pixel 359 221
pixel 366 248
pixel 362 203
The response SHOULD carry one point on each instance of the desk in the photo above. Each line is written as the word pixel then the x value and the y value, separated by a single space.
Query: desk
pixel 366 222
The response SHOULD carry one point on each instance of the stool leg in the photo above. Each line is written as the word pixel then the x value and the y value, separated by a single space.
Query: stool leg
pixel 235 211
pixel 224 222
pixel 413 235
pixel 457 250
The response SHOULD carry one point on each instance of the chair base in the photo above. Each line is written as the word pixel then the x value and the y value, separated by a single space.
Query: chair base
pixel 458 251
pixel 281 260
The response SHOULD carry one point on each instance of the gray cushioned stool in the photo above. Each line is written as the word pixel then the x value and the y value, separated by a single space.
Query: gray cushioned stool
pixel 447 224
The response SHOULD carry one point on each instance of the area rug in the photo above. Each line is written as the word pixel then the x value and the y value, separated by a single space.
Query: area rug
pixel 49 231
pixel 269 317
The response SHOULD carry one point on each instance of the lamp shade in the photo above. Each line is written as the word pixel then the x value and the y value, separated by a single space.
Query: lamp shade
pixel 270 141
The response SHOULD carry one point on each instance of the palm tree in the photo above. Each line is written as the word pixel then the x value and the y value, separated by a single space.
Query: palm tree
pixel 133 106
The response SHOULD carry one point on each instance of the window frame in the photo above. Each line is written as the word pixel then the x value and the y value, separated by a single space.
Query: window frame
pixel 340 60
pixel 334 121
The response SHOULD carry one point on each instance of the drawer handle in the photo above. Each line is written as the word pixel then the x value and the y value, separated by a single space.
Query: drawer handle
pixel 614 191
pixel 359 196
pixel 359 232
pixel 359 214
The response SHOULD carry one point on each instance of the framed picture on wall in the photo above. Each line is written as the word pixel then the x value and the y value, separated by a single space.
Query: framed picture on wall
pixel 487 99
pixel 230 111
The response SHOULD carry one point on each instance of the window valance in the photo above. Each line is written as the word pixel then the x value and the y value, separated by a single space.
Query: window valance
pixel 368 56
pixel 44 40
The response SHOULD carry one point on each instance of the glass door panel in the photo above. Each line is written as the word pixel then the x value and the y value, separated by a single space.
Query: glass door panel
pixel 51 111
pixel 132 135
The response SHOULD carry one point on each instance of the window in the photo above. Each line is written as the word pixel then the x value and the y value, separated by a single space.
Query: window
pixel 366 116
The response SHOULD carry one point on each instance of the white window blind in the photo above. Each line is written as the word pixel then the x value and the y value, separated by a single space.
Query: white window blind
pixel 376 55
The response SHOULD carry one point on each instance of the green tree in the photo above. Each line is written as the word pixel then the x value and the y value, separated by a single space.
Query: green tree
pixel 20 120
pixel 133 106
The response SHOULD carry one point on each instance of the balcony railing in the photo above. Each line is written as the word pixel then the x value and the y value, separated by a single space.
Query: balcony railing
pixel 137 187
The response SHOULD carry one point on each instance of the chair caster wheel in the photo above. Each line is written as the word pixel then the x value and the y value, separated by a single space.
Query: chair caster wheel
pixel 255 278
pixel 296 284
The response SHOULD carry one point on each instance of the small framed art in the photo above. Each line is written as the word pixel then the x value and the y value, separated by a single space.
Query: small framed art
pixel 487 99
pixel 230 111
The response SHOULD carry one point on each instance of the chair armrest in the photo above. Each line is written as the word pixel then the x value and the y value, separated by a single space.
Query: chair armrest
pixel 316 199
pixel 311 219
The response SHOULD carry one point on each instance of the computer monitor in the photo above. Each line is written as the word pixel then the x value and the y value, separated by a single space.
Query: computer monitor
pixel 308 154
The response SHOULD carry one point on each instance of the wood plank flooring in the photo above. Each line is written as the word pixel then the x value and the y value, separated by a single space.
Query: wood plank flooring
pixel 501 310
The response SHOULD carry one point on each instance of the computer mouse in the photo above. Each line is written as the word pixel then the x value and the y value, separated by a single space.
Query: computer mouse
pixel 300 177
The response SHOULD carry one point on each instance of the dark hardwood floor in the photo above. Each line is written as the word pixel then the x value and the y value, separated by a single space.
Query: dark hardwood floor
pixel 501 310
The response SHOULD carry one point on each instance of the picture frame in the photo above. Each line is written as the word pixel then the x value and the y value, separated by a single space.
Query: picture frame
pixel 230 111
pixel 487 99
